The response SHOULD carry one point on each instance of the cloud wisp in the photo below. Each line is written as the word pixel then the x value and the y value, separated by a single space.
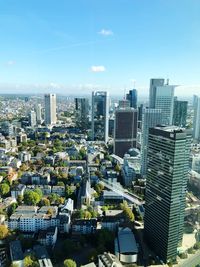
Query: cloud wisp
pixel 105 32
pixel 97 69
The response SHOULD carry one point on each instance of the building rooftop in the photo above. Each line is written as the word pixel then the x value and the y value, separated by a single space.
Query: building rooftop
pixel 127 242
pixel 16 252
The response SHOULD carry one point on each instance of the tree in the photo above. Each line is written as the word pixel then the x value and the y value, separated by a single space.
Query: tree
pixel 28 261
pixel 3 231
pixel 44 202
pixel 12 209
pixel 68 191
pixel 20 199
pixel 197 245
pixel 117 168
pixel 31 198
pixel 69 263
pixel 53 198
pixel 127 211
pixel 39 192
pixel 4 189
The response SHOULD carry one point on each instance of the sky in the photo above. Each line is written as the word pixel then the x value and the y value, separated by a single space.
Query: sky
pixel 76 46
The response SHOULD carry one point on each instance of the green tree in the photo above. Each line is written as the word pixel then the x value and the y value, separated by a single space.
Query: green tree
pixel 197 245
pixel 117 168
pixel 68 191
pixel 69 263
pixel 28 261
pixel 4 189
pixel 12 209
pixel 20 199
pixel 127 211
pixel 39 192
pixel 3 232
pixel 31 198
pixel 44 202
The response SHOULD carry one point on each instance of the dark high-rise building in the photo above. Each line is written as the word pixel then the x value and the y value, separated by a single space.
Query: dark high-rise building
pixel 132 97
pixel 125 130
pixel 100 115
pixel 168 163
pixel 180 113
pixel 82 111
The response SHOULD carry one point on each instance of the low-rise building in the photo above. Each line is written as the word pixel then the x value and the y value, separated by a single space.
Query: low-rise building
pixel 82 226
pixel 42 256
pixel 108 260
pixel 33 219
pixel 126 249
pixel 16 253
pixel 112 219
pixel 59 190
pixel 48 237
pixel 18 190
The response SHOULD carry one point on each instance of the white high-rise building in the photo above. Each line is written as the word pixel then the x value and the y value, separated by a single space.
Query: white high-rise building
pixel 100 115
pixel 150 118
pixel 32 118
pixel 50 109
pixel 161 96
pixel 38 110
pixel 196 120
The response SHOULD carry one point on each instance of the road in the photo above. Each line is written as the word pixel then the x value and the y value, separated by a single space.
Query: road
pixel 192 261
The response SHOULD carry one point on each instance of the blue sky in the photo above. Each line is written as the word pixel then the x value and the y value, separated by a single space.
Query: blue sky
pixel 76 45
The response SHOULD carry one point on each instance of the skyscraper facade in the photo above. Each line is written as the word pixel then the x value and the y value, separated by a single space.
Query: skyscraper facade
pixel 38 110
pixel 100 115
pixel 32 118
pixel 125 130
pixel 82 111
pixel 161 96
pixel 150 118
pixel 50 109
pixel 196 120
pixel 132 97
pixel 168 164
pixel 180 113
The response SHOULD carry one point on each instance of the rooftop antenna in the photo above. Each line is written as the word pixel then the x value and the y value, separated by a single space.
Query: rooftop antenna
pixel 124 93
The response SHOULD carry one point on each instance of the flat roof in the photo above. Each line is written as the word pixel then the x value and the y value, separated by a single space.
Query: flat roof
pixel 16 252
pixel 127 242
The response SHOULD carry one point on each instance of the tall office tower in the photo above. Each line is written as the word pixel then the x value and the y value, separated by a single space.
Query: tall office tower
pixel 82 112
pixel 124 103
pixel 38 110
pixel 132 97
pixel 150 118
pixel 100 116
pixel 32 118
pixel 50 109
pixel 196 120
pixel 168 164
pixel 7 128
pixel 180 113
pixel 161 96
pixel 125 130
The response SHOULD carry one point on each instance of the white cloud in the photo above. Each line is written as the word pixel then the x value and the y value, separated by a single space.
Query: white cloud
pixel 105 32
pixel 10 62
pixel 98 69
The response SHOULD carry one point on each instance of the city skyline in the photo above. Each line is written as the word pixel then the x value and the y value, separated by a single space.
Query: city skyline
pixel 86 46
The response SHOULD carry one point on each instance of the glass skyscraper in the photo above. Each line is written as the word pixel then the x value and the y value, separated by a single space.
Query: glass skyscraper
pixel 180 113
pixel 100 116
pixel 168 160
pixel 161 96
pixel 132 97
